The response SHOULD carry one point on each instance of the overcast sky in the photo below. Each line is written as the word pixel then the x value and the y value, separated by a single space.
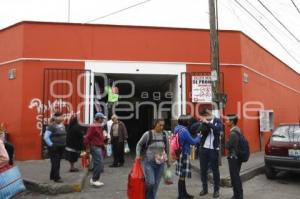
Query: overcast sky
pixel 277 29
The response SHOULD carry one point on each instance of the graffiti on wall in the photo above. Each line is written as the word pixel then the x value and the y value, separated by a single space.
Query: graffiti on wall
pixel 47 110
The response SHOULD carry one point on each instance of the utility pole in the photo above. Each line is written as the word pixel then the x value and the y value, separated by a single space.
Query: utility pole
pixel 69 11
pixel 214 54
pixel 218 99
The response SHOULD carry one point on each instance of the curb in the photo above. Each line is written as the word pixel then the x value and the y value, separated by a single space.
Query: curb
pixel 53 189
pixel 245 175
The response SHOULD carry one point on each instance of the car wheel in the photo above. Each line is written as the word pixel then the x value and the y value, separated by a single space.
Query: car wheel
pixel 270 172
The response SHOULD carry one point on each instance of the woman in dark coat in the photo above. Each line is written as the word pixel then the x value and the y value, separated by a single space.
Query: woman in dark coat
pixel 74 145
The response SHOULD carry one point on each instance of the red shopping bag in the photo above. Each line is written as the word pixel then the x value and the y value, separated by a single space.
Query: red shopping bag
pixel 136 182
pixel 85 159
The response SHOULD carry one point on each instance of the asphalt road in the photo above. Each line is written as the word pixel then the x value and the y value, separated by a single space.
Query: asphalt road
pixel 287 186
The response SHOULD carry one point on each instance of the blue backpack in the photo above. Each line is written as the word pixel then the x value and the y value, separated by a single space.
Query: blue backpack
pixel 244 149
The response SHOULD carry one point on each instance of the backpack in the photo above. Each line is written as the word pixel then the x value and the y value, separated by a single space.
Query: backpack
pixel 150 141
pixel 244 150
pixel 175 147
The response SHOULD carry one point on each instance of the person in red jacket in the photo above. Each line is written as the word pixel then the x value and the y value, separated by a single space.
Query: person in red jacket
pixel 94 142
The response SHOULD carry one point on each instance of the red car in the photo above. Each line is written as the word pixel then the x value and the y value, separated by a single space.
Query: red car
pixel 282 152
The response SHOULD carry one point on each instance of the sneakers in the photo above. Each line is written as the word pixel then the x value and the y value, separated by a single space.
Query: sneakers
pixel 96 183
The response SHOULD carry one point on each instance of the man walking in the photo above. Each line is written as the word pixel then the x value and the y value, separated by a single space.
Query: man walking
pixel 233 161
pixel 209 150
pixel 55 138
pixel 94 142
pixel 118 134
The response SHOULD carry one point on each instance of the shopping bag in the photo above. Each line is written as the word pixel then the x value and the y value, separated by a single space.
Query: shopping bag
pixel 136 182
pixel 85 159
pixel 11 183
pixel 109 150
pixel 168 176
pixel 126 148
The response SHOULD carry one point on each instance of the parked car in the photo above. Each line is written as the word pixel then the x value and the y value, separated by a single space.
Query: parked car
pixel 282 152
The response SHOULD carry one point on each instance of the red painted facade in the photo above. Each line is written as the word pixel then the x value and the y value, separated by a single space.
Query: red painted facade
pixel 30 47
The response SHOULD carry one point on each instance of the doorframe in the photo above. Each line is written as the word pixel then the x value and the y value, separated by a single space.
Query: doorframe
pixel 139 68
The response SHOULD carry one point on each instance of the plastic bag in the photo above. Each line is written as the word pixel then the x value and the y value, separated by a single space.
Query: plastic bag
pixel 168 176
pixel 136 182
pixel 126 148
pixel 109 150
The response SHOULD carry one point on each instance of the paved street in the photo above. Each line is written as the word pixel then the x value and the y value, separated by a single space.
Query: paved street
pixel 287 186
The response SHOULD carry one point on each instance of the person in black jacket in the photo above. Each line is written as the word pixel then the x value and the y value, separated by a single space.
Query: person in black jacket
pixel 209 150
pixel 233 161
pixel 74 142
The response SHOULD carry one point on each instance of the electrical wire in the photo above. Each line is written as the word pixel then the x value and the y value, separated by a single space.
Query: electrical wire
pixel 262 25
pixel 275 26
pixel 279 21
pixel 295 6
pixel 118 11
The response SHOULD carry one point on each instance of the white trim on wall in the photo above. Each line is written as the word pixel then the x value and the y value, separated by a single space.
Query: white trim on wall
pixel 194 63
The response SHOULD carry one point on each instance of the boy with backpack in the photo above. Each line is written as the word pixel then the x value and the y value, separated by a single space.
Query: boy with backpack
pixel 238 149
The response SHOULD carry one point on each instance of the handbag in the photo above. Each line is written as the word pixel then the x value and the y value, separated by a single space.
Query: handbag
pixel 11 183
pixel 136 187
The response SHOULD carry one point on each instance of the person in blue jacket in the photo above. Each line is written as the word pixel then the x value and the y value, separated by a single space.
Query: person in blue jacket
pixel 183 166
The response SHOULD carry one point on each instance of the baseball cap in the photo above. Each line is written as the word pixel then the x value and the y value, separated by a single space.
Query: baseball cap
pixel 100 115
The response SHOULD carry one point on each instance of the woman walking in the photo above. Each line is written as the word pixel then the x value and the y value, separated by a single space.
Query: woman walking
pixel 74 142
pixel 155 146
pixel 183 166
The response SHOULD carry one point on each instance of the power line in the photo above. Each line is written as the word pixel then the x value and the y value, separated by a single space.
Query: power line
pixel 295 6
pixel 279 30
pixel 279 21
pixel 118 11
pixel 282 46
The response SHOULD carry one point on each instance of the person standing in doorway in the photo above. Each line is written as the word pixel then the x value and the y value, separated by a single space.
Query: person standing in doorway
pixel 233 161
pixel 154 143
pixel 209 150
pixel 55 138
pixel 118 134
pixel 94 142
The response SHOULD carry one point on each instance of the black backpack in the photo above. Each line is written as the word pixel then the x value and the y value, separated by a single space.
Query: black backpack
pixel 243 147
pixel 150 141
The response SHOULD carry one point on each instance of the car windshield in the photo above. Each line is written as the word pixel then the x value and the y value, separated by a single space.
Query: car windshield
pixel 287 133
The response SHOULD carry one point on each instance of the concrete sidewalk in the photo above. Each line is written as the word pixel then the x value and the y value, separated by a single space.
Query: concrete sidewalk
pixel 36 177
pixel 250 169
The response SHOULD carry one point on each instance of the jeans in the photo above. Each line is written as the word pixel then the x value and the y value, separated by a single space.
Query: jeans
pixel 55 153
pixel 153 174
pixel 234 169
pixel 97 155
pixel 211 156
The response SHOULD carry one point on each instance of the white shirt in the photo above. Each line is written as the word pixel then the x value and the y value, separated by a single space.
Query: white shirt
pixel 210 139
pixel 109 124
